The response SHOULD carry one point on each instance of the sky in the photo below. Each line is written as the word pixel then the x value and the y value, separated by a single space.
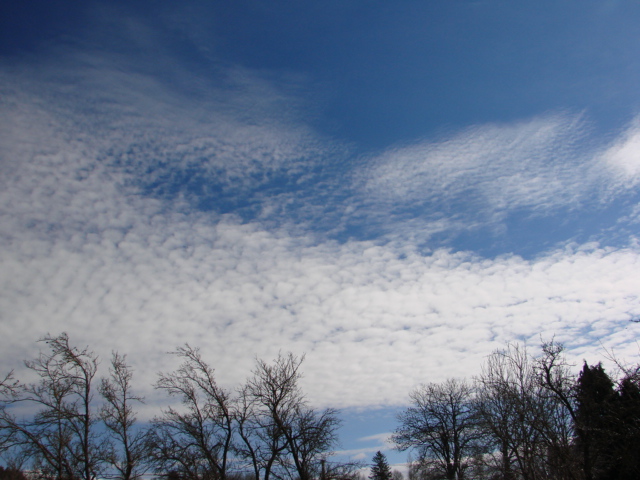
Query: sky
pixel 392 189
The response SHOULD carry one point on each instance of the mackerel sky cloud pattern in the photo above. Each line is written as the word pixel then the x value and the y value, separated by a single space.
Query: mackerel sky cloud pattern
pixel 200 195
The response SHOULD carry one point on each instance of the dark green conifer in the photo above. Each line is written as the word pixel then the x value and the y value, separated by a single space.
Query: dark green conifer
pixel 595 397
pixel 380 469
pixel 624 433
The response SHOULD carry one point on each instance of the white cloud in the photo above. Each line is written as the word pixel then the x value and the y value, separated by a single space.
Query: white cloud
pixel 623 158
pixel 497 168
pixel 382 438
pixel 366 318
pixel 87 252
pixel 377 442
pixel 490 171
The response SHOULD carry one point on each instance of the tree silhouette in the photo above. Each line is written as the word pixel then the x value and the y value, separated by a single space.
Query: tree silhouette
pixel 595 396
pixel 442 426
pixel 380 469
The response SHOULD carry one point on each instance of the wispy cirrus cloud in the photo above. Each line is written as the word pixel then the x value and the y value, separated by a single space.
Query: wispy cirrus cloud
pixel 548 167
pixel 378 442
pixel 539 165
pixel 622 158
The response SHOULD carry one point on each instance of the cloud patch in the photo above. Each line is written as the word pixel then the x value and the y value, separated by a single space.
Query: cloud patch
pixel 492 168
pixel 623 157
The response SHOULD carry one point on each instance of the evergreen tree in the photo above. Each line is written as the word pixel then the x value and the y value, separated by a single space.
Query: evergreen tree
pixel 595 397
pixel 380 469
pixel 624 432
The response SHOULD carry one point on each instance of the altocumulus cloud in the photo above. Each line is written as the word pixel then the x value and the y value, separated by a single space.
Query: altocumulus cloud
pixel 113 231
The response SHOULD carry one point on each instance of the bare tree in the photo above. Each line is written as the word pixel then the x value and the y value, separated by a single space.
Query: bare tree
pixel 350 470
pixel 442 426
pixel 312 436
pixel 553 374
pixel 127 450
pixel 60 438
pixel 512 408
pixel 262 443
pixel 287 423
pixel 8 386
pixel 8 389
pixel 194 441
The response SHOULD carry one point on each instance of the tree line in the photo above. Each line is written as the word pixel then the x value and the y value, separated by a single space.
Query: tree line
pixel 71 425
pixel 525 418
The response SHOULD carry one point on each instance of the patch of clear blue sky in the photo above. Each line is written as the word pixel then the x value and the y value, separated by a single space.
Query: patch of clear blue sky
pixel 394 71
pixel 358 425
pixel 529 235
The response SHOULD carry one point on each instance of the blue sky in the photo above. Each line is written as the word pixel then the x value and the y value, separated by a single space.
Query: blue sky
pixel 393 189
